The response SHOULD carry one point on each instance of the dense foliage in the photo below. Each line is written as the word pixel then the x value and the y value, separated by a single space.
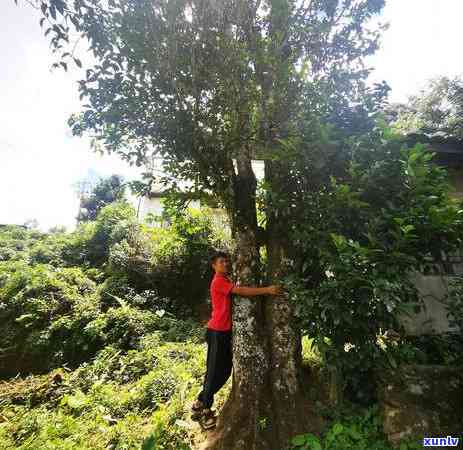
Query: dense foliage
pixel 361 237
pixel 64 296
pixel 118 400
pixel 116 303
pixel 354 432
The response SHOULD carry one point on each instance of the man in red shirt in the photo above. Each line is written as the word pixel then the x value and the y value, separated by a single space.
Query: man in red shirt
pixel 219 336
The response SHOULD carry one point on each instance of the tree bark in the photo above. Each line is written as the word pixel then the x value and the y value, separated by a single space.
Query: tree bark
pixel 267 404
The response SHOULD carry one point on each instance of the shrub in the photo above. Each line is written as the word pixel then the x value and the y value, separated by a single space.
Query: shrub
pixel 180 258
pixel 359 239
pixel 43 311
pixel 125 325
pixel 15 242
pixel 118 400
pixel 164 263
pixel 358 432
pixel 53 316
pixel 126 286
pixel 50 249
pixel 113 223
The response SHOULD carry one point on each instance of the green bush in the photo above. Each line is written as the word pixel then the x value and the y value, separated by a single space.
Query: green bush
pixel 105 298
pixel 360 238
pixel 118 400
pixel 53 316
pixel 43 311
pixel 167 263
pixel 15 242
pixel 442 349
pixel 51 249
pixel 359 432
pixel 112 225
pixel 180 258
pixel 125 326
pixel 57 247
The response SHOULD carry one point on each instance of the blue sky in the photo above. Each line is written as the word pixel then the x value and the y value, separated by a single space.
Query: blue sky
pixel 39 159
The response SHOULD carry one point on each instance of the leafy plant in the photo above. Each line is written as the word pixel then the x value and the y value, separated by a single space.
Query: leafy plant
pixel 106 191
pixel 44 311
pixel 454 303
pixel 119 399
pixel 360 239
pixel 359 432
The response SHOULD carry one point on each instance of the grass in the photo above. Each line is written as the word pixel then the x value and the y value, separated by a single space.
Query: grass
pixel 117 401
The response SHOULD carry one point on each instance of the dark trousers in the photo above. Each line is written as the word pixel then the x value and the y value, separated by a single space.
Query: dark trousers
pixel 219 364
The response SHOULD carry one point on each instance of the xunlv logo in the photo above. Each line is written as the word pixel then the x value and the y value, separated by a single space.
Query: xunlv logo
pixel 448 441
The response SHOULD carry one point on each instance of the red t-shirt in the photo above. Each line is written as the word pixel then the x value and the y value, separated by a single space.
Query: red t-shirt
pixel 221 318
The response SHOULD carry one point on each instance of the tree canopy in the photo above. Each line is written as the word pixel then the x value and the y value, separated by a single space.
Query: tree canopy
pixel 106 191
pixel 437 110
pixel 210 86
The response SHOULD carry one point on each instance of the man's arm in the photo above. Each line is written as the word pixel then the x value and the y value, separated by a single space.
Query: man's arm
pixel 247 291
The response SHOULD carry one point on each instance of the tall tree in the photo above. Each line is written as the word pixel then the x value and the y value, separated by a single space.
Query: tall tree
pixel 210 85
pixel 106 191
pixel 437 110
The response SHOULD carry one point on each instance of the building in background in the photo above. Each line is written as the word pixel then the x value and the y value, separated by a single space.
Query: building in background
pixel 151 204
pixel 433 287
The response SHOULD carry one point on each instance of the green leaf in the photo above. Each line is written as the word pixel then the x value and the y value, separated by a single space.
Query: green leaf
pixel 353 432
pixel 299 440
pixel 314 444
pixel 149 443
pixel 391 360
pixel 24 318
pixel 77 401
pixel 407 228
pixel 413 156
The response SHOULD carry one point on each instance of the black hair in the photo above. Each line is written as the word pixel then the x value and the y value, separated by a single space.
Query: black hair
pixel 218 255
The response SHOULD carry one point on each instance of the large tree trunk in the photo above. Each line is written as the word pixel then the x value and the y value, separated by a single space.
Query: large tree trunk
pixel 267 404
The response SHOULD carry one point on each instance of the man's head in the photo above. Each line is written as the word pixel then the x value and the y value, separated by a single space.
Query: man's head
pixel 220 262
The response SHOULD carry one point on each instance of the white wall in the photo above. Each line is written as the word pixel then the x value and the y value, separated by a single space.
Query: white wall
pixel 154 206
pixel 433 318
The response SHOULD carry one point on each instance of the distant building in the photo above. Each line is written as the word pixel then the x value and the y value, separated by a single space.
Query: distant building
pixel 151 205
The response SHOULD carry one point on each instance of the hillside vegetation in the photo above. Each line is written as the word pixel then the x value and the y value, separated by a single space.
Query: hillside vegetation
pixel 103 338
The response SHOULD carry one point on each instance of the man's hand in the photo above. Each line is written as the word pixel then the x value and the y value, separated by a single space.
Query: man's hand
pixel 275 290
pixel 248 291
